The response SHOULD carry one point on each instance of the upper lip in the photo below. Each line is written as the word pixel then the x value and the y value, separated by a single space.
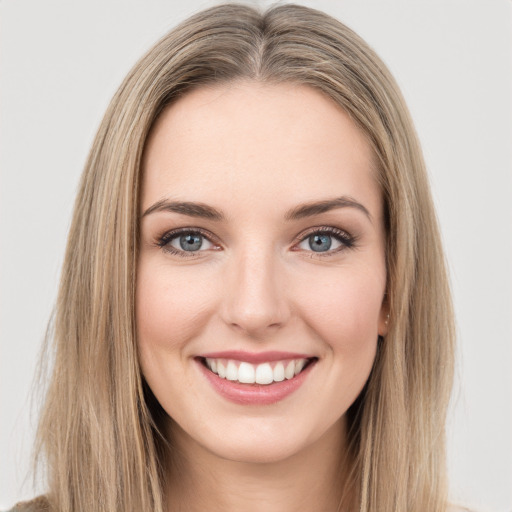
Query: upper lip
pixel 255 357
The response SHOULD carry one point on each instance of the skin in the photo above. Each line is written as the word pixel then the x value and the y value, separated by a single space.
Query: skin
pixel 256 151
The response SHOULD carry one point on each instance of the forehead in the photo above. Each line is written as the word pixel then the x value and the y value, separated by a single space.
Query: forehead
pixel 253 141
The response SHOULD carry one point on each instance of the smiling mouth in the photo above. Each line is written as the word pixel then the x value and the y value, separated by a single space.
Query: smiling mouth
pixel 264 373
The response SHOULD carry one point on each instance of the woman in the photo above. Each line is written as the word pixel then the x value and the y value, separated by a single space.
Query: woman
pixel 254 310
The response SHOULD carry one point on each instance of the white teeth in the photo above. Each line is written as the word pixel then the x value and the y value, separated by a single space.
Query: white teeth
pixel 264 374
pixel 247 373
pixel 279 372
pixel 299 364
pixel 231 371
pixel 289 373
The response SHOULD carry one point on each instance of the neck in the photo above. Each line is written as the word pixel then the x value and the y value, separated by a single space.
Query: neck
pixel 312 479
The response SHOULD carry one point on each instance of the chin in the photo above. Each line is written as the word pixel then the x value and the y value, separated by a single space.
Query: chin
pixel 258 453
pixel 255 441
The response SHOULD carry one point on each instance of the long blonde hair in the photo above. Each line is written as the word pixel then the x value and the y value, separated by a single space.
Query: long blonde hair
pixel 99 432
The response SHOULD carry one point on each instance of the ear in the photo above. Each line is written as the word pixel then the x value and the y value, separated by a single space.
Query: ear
pixel 384 317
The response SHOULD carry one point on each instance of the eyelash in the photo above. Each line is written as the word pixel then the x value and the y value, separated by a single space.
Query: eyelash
pixel 166 238
pixel 348 241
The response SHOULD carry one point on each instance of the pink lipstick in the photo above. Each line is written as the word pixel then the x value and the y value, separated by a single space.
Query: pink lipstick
pixel 255 378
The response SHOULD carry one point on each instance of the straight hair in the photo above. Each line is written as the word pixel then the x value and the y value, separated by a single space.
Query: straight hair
pixel 99 433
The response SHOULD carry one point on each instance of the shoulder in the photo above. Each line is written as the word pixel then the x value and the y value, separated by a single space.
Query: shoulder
pixel 39 504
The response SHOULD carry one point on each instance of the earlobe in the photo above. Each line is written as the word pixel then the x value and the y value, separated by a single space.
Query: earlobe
pixel 384 320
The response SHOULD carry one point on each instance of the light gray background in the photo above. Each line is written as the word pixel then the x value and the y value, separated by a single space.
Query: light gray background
pixel 62 60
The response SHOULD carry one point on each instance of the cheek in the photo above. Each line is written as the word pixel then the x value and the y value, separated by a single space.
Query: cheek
pixel 344 301
pixel 170 307
pixel 343 309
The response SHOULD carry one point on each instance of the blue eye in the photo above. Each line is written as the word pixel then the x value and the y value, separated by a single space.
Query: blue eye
pixel 191 242
pixel 182 242
pixel 327 240
pixel 320 243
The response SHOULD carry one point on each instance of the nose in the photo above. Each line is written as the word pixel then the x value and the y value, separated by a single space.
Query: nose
pixel 254 297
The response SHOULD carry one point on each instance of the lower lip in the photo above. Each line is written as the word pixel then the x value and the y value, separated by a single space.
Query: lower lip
pixel 255 394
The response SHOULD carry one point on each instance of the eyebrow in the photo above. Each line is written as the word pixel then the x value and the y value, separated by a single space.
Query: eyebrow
pixel 205 211
pixel 186 208
pixel 315 208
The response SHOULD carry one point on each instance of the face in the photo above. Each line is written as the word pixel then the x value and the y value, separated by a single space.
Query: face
pixel 261 273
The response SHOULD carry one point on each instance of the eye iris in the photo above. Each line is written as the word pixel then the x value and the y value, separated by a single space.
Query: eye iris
pixel 320 243
pixel 191 242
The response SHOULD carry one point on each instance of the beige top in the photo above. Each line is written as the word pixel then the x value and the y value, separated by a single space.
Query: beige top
pixel 40 504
